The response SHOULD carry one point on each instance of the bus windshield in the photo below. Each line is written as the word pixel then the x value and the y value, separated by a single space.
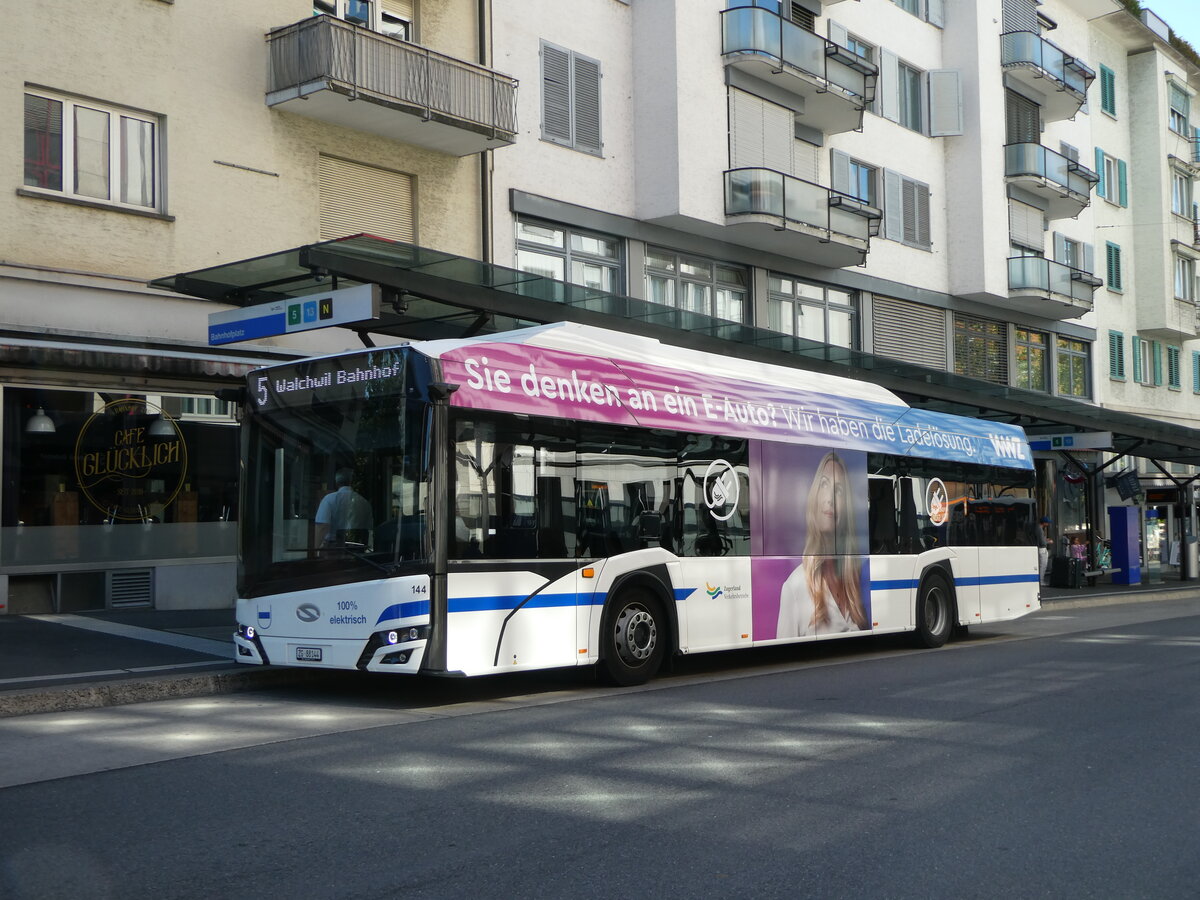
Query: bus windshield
pixel 336 486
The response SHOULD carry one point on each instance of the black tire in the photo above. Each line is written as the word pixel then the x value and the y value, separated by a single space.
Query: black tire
pixel 634 637
pixel 935 611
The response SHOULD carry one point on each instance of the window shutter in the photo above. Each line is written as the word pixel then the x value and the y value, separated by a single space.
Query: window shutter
pixel 1025 226
pixel 586 97
pixel 1113 266
pixel 838 33
pixel 893 205
pixel 761 133
pixel 924 237
pixel 909 331
pixel 355 198
pixel 401 8
pixel 1137 359
pixel 1022 119
pixel 1116 355
pixel 889 75
pixel 1122 183
pixel 1089 259
pixel 1156 349
pixel 1173 367
pixel 804 161
pixel 556 94
pixel 779 136
pixel 1108 90
pixel 1060 247
pixel 1020 15
pixel 1101 186
pixel 945 103
pixel 935 13
pixel 839 169
pixel 1196 371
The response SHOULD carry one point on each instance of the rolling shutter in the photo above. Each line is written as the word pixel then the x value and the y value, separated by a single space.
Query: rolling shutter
pixel 762 133
pixel 1020 15
pixel 909 331
pixel 1025 228
pixel 356 198
pixel 401 8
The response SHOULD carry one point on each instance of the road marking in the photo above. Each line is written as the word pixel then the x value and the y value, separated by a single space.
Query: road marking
pixel 222 649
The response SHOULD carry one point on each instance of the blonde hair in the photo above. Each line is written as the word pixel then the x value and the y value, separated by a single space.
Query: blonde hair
pixel 830 558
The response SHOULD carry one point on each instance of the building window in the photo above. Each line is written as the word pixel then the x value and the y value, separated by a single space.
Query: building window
pixel 1147 361
pixel 1072 368
pixel 567 254
pixel 981 349
pixel 1180 110
pixel 1108 90
pixel 1173 377
pixel 817 312
pixel 391 17
pixel 1181 194
pixel 1114 182
pixel 1185 279
pixel 92 151
pixel 1112 266
pixel 570 99
pixel 355 198
pixel 911 111
pixel 931 11
pixel 1032 356
pixel 696 284
pixel 906 210
pixel 862 182
pixel 1116 355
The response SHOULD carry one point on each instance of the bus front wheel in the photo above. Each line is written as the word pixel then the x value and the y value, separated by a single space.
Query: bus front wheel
pixel 935 611
pixel 634 637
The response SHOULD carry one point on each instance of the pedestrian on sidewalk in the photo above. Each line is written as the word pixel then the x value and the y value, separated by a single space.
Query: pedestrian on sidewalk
pixel 1043 534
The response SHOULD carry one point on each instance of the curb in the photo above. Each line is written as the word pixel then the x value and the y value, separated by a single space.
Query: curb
pixel 118 692
pixel 1120 599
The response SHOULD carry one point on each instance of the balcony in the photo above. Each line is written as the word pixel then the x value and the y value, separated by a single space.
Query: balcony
pixel 1038 64
pixel 1065 184
pixel 781 214
pixel 1048 288
pixel 834 84
pixel 329 70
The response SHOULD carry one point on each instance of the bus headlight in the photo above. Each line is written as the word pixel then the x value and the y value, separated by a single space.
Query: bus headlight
pixel 393 638
pixel 249 632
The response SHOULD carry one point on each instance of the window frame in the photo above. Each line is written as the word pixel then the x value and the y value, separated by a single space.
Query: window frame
pixel 676 276
pixel 910 97
pixel 970 340
pixel 796 302
pixel 1024 339
pixel 569 254
pixel 1178 116
pixel 1181 193
pixel 115 149
pixel 1077 356
pixel 1184 270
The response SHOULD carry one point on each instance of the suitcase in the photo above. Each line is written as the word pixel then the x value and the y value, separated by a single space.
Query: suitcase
pixel 1066 572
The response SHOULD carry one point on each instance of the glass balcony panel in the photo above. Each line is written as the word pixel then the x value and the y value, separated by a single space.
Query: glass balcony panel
pixel 752 29
pixel 847 78
pixel 803 49
pixel 849 224
pixel 807 203
pixel 1028 273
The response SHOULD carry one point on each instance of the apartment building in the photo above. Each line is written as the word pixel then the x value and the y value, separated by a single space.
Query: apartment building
pixel 164 137
pixel 998 190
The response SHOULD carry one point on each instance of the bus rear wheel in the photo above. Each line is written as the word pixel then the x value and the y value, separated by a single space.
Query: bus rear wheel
pixel 634 638
pixel 935 611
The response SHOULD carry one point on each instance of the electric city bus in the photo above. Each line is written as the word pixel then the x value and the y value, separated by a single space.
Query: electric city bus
pixel 565 495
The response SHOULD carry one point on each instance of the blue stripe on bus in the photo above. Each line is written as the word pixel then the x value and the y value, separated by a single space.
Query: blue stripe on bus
pixel 900 584
pixel 404 610
pixel 538 601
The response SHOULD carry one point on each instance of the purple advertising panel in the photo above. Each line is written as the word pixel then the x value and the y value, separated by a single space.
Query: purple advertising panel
pixel 810 574
pixel 533 380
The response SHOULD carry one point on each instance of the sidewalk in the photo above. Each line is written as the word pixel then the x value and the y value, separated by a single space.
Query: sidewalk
pixel 61 662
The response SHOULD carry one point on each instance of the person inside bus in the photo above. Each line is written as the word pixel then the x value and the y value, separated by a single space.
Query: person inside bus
pixel 344 515
pixel 823 595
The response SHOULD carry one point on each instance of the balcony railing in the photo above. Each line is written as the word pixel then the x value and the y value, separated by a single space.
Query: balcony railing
pixel 757 30
pixel 1046 277
pixel 765 192
pixel 1046 165
pixel 1024 48
pixel 324 53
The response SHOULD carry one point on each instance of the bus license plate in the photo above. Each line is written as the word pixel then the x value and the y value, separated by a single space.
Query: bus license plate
pixel 308 654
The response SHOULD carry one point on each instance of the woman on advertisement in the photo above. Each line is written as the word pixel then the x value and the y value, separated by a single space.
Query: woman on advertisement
pixel 823 595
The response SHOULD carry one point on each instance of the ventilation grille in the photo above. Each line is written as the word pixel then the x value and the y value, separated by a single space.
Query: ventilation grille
pixel 130 587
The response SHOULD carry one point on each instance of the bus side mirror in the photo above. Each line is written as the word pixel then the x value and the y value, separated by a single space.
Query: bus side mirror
pixel 440 391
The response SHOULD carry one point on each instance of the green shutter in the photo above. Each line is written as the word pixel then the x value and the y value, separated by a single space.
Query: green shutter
pixel 1108 90
pixel 1137 360
pixel 1122 183
pixel 1196 371
pixel 1156 348
pixel 1101 186
pixel 1116 355
pixel 1112 259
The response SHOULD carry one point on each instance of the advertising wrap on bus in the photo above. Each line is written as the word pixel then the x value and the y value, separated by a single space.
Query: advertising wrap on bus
pixel 543 382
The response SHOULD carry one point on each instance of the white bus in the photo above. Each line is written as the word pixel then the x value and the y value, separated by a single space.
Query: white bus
pixel 565 495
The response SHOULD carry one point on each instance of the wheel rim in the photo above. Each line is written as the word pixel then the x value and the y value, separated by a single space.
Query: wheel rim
pixel 935 610
pixel 636 635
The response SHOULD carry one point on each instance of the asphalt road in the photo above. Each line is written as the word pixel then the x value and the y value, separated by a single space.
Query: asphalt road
pixel 1052 758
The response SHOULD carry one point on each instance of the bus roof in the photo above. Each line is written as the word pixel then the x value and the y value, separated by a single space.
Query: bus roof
pixel 572 371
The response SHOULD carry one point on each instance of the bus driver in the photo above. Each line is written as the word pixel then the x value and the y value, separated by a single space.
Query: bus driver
pixel 823 594
pixel 344 514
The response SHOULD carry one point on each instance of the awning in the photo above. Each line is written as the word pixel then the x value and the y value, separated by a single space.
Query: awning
pixel 429 294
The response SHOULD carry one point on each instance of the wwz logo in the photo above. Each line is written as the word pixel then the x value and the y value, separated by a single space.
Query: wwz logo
pixel 721 489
